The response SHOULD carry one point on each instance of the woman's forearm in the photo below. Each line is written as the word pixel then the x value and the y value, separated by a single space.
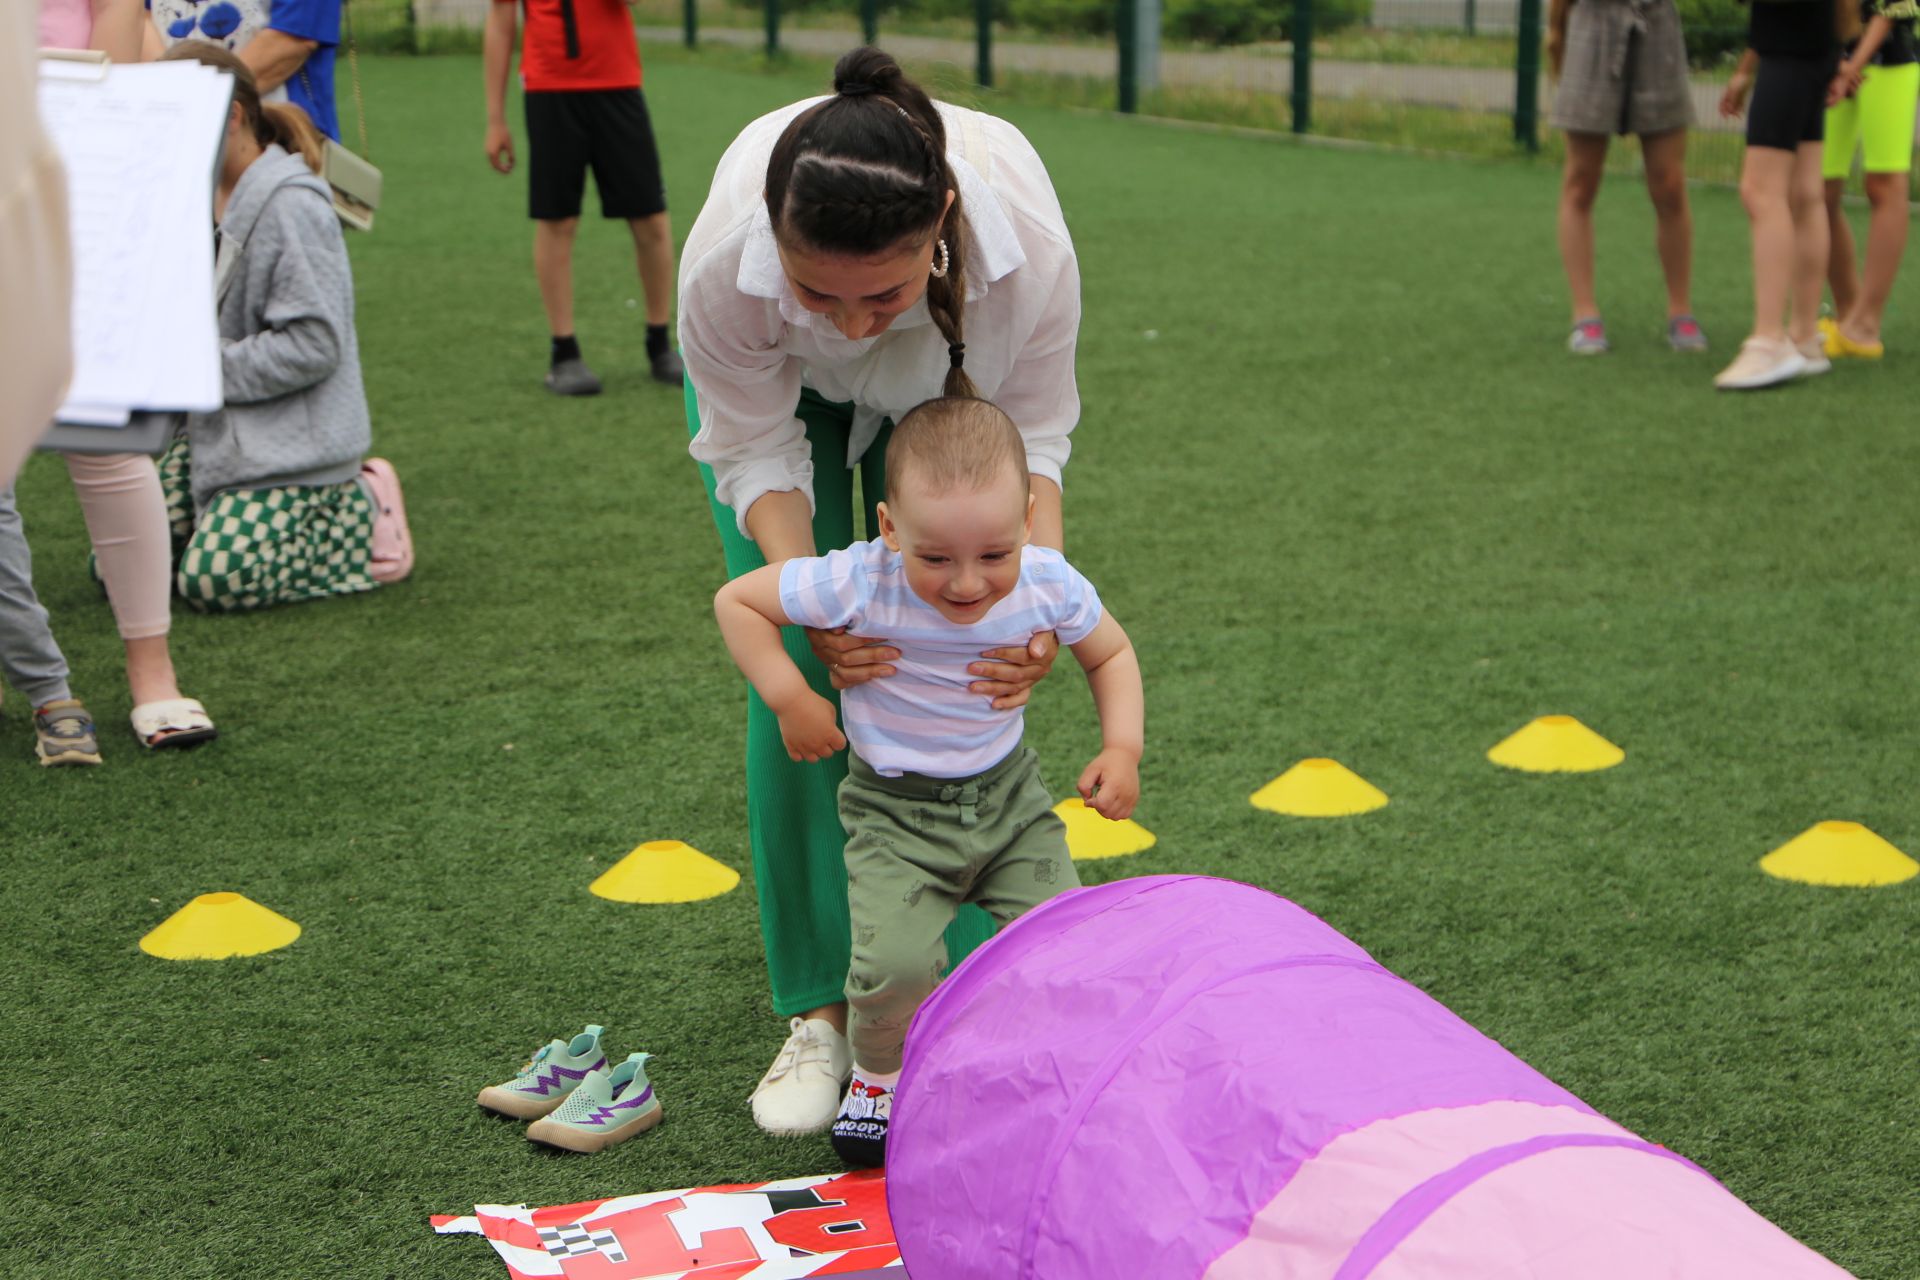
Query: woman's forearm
pixel 1870 41
pixel 781 523
pixel 1049 526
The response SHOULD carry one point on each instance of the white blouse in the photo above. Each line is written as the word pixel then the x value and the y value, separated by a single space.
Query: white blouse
pixel 750 346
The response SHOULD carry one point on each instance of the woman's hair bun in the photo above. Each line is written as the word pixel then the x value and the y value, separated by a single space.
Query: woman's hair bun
pixel 866 70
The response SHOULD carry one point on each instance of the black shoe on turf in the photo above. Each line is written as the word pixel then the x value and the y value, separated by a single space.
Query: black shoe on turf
pixel 667 367
pixel 572 378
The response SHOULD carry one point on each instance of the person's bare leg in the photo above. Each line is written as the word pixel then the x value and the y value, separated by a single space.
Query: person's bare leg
pixel 1807 201
pixel 1579 188
pixel 1766 179
pixel 1842 280
pixel 150 675
pixel 553 267
pixel 653 251
pixel 1886 244
pixel 1665 155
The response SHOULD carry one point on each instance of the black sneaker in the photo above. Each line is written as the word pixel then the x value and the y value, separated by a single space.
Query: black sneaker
pixel 572 378
pixel 667 367
pixel 860 1130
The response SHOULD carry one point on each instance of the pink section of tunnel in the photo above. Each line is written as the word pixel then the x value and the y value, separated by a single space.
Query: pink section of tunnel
pixel 1318 1218
pixel 1564 1212
pixel 1600 1214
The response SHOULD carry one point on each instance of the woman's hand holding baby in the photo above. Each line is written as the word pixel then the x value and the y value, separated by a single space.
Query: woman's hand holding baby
pixel 851 660
pixel 1009 675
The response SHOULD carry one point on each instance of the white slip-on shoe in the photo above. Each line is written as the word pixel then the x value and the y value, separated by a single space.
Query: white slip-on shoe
pixel 800 1093
pixel 1814 352
pixel 1762 362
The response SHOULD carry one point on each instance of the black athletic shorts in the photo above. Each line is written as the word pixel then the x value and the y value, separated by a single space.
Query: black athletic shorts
pixel 606 130
pixel 1789 103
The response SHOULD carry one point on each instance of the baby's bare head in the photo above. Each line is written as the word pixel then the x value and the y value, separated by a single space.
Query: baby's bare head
pixel 955 444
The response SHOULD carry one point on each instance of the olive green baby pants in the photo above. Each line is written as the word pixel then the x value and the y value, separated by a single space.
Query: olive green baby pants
pixel 917 849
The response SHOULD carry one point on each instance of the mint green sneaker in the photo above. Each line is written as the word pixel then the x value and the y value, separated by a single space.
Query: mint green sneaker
pixel 548 1078
pixel 608 1107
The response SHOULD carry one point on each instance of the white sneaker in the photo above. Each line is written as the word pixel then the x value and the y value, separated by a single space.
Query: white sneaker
pixel 1814 352
pixel 1762 362
pixel 801 1091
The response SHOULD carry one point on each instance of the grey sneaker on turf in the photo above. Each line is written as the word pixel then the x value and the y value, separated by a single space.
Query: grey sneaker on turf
pixel 572 378
pixel 544 1083
pixel 608 1107
pixel 63 734
pixel 1685 334
pixel 1589 337
pixel 667 368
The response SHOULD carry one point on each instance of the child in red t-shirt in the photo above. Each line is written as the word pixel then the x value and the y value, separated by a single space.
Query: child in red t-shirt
pixel 581 73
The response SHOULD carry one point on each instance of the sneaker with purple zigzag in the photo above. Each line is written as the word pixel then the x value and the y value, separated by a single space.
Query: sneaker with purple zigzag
pixel 608 1107
pixel 549 1077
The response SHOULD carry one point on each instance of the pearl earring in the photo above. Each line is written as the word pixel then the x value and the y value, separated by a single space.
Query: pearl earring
pixel 940 272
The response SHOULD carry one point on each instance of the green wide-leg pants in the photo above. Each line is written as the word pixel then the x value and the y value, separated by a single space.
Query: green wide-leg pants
pixel 793 817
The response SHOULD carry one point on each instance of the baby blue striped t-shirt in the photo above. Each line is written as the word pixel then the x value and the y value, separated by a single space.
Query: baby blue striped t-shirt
pixel 923 719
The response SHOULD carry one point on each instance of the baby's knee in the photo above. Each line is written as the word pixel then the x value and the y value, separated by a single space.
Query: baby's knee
pixel 889 971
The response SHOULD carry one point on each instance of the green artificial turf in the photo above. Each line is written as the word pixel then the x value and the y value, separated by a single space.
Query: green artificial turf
pixel 1340 482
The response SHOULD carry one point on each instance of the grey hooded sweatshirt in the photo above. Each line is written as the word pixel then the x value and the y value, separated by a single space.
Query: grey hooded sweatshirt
pixel 296 412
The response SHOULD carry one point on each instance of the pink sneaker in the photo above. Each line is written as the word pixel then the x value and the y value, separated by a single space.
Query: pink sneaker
pixel 392 540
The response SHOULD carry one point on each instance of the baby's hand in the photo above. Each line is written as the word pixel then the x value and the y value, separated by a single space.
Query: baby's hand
pixel 1111 784
pixel 808 729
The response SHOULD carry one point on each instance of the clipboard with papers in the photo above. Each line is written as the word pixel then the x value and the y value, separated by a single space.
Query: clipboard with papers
pixel 142 148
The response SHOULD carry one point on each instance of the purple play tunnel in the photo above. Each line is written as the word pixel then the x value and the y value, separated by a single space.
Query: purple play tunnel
pixel 1178 1078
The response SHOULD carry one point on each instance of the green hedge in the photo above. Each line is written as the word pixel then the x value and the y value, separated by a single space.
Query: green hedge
pixel 1245 21
pixel 1715 30
pixel 1217 22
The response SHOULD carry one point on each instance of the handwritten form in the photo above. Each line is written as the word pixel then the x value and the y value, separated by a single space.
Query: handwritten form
pixel 140 144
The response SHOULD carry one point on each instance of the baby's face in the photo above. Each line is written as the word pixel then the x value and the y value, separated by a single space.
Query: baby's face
pixel 961 549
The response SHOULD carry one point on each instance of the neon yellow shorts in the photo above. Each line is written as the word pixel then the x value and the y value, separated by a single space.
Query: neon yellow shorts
pixel 1881 117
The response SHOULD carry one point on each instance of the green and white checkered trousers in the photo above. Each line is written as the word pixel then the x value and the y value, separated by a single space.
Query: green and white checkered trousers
pixel 257 547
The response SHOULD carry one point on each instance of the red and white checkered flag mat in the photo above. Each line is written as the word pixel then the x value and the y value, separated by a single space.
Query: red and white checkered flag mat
pixel 828 1226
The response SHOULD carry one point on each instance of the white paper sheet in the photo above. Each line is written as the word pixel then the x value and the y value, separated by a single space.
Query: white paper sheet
pixel 139 144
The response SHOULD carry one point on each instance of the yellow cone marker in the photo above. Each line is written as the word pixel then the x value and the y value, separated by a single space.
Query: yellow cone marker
pixel 1090 836
pixel 665 871
pixel 1557 744
pixel 218 926
pixel 1319 788
pixel 1839 853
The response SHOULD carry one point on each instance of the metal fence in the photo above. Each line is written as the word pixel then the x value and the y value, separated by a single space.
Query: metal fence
pixel 1440 75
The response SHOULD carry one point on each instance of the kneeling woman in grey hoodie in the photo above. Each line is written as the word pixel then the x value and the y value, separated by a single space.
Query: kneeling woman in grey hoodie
pixel 271 494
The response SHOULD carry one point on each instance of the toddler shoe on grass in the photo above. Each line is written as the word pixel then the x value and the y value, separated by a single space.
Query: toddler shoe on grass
pixel 548 1078
pixel 608 1107
pixel 860 1130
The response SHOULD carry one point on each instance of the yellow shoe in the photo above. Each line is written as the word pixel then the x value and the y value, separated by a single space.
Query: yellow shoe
pixel 1839 345
pixel 1828 330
